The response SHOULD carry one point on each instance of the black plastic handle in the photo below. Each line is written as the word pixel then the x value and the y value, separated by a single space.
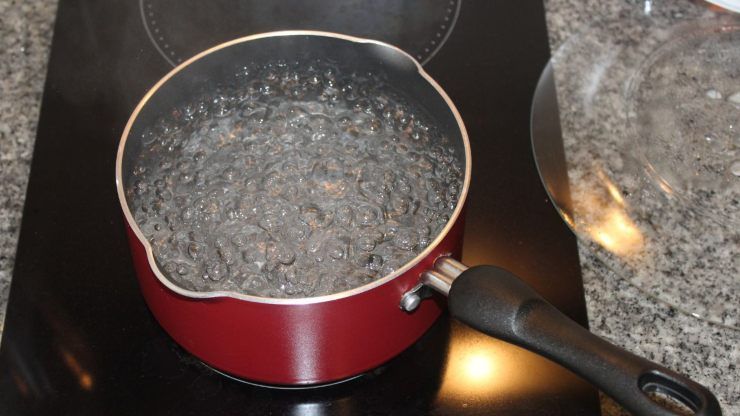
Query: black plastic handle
pixel 496 302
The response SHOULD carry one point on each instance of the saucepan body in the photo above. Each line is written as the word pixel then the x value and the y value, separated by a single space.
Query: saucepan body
pixel 305 340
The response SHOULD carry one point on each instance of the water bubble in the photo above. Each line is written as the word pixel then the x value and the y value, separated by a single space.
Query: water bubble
pixel 227 255
pixel 195 251
pixel 182 269
pixel 345 122
pixel 222 109
pixel 229 174
pixel 389 267
pixel 270 222
pixel 188 214
pixel 280 253
pixel 207 205
pixel 216 270
pixel 373 191
pixel 273 183
pixel 365 243
pixel 344 216
pixel 183 165
pixel 199 156
pixel 254 255
pixel 443 219
pixel 140 187
pixel 314 216
pixel 171 217
pixel 406 239
pixel 399 205
pixel 320 122
pixel 368 215
pixel 170 267
pixel 297 117
pixel 255 284
pixel 435 195
pixel 139 170
pixel 389 229
pixel 336 251
pixel 165 194
pixel 373 262
pixel 240 240
pixel 186 177
pixel 374 126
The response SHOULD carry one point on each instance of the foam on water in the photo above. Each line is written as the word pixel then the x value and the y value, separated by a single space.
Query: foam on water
pixel 294 181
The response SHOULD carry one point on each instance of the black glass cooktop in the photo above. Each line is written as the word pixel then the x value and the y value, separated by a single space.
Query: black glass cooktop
pixel 79 339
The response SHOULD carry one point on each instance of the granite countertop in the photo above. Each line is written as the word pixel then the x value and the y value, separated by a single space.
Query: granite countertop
pixel 618 311
pixel 25 38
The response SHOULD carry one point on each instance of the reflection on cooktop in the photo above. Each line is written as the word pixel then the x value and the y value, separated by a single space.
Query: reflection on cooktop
pixel 180 29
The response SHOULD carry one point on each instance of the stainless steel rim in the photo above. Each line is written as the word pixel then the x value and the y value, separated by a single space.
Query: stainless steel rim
pixel 288 301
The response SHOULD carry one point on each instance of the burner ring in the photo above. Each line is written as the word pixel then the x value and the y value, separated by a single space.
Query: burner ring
pixel 420 27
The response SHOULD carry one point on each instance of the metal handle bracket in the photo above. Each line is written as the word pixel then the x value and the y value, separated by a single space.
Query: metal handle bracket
pixel 440 278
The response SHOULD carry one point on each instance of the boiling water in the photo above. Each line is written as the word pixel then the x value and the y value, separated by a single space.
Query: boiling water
pixel 296 181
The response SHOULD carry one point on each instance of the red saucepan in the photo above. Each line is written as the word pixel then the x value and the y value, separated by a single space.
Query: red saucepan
pixel 327 338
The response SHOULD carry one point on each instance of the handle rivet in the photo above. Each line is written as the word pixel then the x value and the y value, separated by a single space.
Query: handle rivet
pixel 410 301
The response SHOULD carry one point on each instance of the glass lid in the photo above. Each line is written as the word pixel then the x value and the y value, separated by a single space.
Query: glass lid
pixel 650 117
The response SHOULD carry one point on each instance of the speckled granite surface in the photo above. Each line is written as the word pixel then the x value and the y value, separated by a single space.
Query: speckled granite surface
pixel 25 36
pixel 649 152
pixel 618 311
